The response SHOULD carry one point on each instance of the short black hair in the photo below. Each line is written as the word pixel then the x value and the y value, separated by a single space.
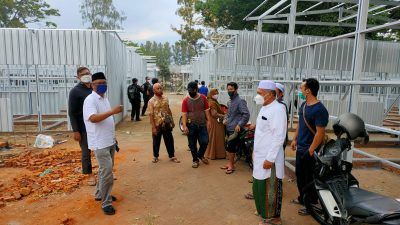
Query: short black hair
pixel 233 84
pixel 154 80
pixel 197 81
pixel 313 85
pixel 192 86
pixel 203 83
pixel 134 80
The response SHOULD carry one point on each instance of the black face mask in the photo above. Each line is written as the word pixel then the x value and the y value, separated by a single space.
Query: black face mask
pixel 192 94
pixel 231 94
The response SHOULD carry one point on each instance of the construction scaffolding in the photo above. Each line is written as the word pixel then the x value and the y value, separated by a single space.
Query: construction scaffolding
pixel 38 69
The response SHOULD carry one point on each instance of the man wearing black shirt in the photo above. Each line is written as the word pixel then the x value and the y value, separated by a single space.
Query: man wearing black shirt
pixel 134 91
pixel 77 96
pixel 146 94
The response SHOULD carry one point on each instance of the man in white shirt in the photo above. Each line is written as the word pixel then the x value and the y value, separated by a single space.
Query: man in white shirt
pixel 268 155
pixel 100 128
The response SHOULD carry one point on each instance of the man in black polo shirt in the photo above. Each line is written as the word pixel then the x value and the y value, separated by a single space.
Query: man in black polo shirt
pixel 76 98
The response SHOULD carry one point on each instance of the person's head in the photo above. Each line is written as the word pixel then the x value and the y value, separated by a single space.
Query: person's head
pixel 99 83
pixel 310 87
pixel 203 83
pixel 197 81
pixel 280 91
pixel 266 93
pixel 213 94
pixel 154 80
pixel 134 81
pixel 232 88
pixel 158 89
pixel 84 75
pixel 192 89
pixel 147 79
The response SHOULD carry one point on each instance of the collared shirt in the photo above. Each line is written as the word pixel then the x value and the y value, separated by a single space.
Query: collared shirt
pixel 77 96
pixel 195 109
pixel 101 134
pixel 270 134
pixel 238 113
pixel 159 109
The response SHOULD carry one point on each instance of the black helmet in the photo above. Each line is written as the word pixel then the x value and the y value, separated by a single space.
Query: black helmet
pixel 352 125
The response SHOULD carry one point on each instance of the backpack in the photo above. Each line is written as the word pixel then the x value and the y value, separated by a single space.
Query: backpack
pixel 132 91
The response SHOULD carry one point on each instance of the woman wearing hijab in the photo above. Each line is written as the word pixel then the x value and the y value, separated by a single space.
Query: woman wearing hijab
pixel 216 132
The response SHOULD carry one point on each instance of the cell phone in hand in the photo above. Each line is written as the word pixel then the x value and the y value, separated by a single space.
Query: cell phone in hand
pixel 116 146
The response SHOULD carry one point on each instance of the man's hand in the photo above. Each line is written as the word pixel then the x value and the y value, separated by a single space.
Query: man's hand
pixel 252 127
pixel 225 121
pixel 185 130
pixel 311 152
pixel 154 130
pixel 117 109
pixel 267 165
pixel 77 136
pixel 237 129
pixel 173 125
pixel 293 145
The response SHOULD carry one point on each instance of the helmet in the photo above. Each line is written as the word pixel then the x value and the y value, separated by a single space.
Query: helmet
pixel 352 125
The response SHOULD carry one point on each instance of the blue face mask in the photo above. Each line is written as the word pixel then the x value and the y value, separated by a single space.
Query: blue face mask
pixel 101 89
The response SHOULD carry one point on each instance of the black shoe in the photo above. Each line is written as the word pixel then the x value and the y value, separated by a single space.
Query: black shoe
pixel 138 120
pixel 132 119
pixel 109 210
pixel 112 197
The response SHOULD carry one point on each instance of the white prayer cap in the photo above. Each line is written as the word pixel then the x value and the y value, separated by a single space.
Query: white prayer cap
pixel 267 85
pixel 280 87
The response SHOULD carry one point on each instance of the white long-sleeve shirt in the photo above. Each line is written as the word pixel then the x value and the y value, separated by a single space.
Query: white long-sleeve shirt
pixel 270 134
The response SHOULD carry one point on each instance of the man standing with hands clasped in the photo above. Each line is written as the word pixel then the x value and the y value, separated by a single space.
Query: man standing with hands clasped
pixel 268 155
pixel 100 128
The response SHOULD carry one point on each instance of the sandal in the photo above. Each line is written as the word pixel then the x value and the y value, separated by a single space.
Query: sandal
pixel 249 196
pixel 224 167
pixel 204 160
pixel 195 164
pixel 175 160
pixel 303 212
pixel 229 171
pixel 270 222
pixel 155 160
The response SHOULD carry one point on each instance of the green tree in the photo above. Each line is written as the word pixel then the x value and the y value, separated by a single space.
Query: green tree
pixel 18 13
pixel 101 14
pixel 189 30
pixel 163 54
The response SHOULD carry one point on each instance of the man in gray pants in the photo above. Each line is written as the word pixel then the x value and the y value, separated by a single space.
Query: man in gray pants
pixel 100 128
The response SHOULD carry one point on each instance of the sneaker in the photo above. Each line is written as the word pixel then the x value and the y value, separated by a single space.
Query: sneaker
pixel 109 210
pixel 195 164
pixel 112 197
pixel 204 160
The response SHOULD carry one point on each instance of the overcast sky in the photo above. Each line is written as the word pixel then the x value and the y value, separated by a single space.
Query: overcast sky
pixel 146 19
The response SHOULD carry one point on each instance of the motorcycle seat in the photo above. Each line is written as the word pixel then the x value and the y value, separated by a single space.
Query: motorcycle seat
pixel 362 203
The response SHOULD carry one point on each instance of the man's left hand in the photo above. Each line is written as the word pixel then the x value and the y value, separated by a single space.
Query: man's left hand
pixel 267 165
pixel 237 129
pixel 311 152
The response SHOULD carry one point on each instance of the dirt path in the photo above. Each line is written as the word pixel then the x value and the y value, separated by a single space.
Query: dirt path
pixel 162 193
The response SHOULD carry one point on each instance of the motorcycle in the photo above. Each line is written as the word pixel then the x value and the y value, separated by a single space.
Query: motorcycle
pixel 245 148
pixel 334 197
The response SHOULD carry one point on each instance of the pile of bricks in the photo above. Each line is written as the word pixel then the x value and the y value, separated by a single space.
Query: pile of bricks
pixel 52 171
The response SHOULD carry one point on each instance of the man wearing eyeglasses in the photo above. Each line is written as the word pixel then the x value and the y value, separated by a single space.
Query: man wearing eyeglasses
pixel 100 127
pixel 77 96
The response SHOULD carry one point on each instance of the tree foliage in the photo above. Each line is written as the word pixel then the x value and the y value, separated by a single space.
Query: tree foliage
pixel 19 13
pixel 101 14
pixel 162 52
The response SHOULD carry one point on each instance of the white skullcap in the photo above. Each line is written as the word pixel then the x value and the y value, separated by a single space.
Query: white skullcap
pixel 280 87
pixel 267 85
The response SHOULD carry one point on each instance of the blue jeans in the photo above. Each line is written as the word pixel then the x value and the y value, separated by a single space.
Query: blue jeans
pixel 197 133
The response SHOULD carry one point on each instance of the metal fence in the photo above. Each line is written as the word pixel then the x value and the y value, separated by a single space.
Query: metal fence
pixel 38 69
pixel 238 60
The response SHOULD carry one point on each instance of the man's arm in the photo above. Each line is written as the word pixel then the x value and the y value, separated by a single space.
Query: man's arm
pixel 72 108
pixel 318 138
pixel 95 118
pixel 245 115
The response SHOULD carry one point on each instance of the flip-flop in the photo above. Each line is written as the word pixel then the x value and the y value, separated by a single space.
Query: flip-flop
pixel 303 212
pixel 224 167
pixel 155 160
pixel 269 222
pixel 249 196
pixel 175 160
pixel 228 171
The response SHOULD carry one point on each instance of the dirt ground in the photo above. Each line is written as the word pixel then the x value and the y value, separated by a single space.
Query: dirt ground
pixel 162 193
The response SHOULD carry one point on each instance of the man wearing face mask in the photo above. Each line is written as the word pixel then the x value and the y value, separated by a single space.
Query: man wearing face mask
pixel 280 92
pixel 310 132
pixel 162 123
pixel 195 120
pixel 100 127
pixel 77 96
pixel 268 155
pixel 134 97
pixel 237 117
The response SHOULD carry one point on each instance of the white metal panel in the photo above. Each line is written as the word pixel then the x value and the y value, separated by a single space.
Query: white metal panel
pixel 6 120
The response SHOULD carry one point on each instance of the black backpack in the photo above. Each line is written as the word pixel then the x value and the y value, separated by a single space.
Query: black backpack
pixel 133 91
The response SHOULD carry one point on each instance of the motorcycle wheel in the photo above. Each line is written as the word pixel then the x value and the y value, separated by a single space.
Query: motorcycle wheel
pixel 180 124
pixel 320 214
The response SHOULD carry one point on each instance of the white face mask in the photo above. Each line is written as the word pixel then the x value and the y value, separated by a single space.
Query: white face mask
pixel 259 99
pixel 86 79
pixel 215 97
